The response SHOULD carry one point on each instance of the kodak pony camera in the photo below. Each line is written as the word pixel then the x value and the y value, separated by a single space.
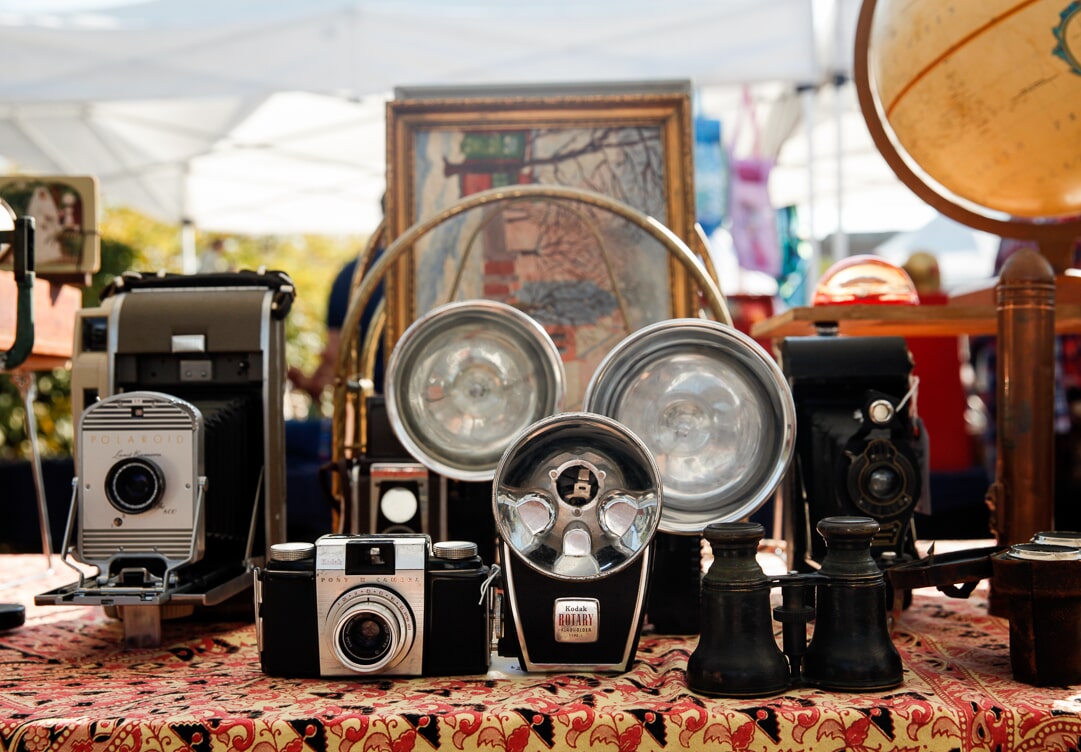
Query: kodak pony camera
pixel 373 604
pixel 177 386
pixel 858 450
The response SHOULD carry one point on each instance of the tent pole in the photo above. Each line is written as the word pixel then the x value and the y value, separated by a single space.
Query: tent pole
pixel 839 79
pixel 188 260
pixel 840 242
pixel 808 97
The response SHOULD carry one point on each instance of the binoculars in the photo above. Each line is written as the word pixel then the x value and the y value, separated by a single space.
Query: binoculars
pixel 850 650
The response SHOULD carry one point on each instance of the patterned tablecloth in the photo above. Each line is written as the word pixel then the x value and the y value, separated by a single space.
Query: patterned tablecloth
pixel 67 683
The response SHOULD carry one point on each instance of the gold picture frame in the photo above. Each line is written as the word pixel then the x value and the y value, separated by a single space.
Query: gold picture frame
pixel 629 142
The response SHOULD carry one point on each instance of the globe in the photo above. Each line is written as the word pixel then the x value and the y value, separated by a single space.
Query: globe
pixel 981 101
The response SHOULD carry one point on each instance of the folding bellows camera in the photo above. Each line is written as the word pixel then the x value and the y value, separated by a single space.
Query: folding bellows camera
pixel 859 449
pixel 177 386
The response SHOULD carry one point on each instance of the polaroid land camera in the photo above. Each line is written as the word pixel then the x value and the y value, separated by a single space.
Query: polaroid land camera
pixel 177 387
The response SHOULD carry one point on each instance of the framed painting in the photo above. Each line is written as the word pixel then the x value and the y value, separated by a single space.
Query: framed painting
pixel 587 276
pixel 66 242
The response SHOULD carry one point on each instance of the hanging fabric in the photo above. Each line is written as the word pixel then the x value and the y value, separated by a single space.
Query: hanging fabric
pixel 755 234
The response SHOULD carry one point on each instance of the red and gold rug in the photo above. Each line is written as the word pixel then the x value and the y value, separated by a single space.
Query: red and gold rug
pixel 68 683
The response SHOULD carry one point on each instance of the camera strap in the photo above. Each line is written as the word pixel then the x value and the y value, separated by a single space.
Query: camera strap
pixel 493 575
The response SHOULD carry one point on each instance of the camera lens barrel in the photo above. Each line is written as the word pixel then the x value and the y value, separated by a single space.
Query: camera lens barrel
pixel 851 649
pixel 1040 584
pixel 134 485
pixel 737 655
pixel 373 629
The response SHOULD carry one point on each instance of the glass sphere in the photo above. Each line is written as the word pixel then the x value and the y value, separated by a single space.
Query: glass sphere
pixel 865 279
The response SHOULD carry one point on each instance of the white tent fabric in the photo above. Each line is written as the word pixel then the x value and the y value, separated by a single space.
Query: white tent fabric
pixel 267 116
pixel 965 255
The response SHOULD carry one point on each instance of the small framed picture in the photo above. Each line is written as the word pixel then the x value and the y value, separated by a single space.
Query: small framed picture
pixel 66 242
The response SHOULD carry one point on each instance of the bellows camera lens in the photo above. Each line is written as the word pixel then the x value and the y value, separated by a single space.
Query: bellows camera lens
pixel 134 485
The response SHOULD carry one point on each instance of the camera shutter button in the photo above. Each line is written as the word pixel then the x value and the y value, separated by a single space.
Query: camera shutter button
pixel 293 551
pixel 454 549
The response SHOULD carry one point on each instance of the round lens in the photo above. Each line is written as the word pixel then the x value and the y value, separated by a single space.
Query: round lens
pixel 366 638
pixel 884 483
pixel 134 485
pixel 373 629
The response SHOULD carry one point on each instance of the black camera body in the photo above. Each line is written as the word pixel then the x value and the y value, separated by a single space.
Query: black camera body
pixel 858 447
pixel 373 605
pixel 391 492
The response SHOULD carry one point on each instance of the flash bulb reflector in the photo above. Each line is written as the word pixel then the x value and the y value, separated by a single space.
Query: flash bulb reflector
pixel 465 379
pixel 713 408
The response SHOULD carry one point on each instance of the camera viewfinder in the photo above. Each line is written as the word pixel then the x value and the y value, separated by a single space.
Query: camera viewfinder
pixel 369 557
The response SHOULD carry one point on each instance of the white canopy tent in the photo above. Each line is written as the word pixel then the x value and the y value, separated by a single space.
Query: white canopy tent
pixel 266 116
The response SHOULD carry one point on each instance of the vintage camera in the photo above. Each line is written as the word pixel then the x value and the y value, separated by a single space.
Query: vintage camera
pixel 859 445
pixel 177 386
pixel 576 499
pixel 390 491
pixel 461 382
pixel 374 604
pixel 850 651
pixel 165 492
pixel 1035 585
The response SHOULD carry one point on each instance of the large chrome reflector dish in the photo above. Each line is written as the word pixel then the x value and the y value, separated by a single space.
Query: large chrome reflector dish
pixel 714 409
pixel 465 379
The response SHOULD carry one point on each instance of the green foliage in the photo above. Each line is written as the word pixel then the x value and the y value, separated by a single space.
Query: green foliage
pixel 131 241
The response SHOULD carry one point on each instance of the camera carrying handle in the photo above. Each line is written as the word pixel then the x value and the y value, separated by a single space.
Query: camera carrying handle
pixel 278 282
pixel 22 249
